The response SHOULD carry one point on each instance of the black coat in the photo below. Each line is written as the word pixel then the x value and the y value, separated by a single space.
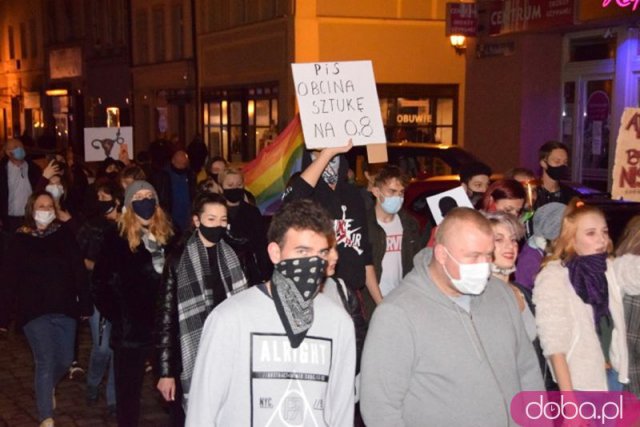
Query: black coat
pixel 44 275
pixel 125 287
pixel 34 175
pixel 249 241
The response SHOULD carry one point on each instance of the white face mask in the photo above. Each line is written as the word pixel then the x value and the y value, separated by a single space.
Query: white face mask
pixel 44 218
pixel 473 277
pixel 56 190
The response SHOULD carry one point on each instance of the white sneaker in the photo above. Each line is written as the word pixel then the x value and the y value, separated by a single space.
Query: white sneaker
pixel 47 423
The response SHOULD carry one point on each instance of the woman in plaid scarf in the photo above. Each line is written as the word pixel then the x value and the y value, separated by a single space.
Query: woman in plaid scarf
pixel 198 278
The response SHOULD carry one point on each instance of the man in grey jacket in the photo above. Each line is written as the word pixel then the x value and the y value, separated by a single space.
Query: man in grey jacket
pixel 448 346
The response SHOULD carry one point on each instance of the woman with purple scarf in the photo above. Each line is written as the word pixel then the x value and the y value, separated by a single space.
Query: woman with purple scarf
pixel 579 311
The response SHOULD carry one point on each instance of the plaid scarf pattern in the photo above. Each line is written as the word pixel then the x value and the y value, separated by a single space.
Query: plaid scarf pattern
pixel 195 298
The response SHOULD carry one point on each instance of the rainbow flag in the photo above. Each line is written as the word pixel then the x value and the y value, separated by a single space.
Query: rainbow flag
pixel 267 175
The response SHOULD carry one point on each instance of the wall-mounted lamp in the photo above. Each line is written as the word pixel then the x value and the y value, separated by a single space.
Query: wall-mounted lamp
pixel 459 43
pixel 56 92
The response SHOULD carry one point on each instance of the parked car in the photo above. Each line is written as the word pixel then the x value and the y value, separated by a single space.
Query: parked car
pixel 434 168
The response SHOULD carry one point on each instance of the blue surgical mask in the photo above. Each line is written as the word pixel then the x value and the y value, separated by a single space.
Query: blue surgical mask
pixel 19 153
pixel 392 204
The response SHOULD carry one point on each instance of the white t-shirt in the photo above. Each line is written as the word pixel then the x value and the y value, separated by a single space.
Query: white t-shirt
pixel 392 260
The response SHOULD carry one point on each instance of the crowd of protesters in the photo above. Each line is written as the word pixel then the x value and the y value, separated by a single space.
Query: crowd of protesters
pixel 341 312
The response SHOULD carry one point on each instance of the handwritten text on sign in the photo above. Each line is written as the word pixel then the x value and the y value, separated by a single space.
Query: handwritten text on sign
pixel 626 169
pixel 338 101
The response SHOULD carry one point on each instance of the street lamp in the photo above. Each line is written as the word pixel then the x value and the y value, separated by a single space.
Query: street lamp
pixel 459 43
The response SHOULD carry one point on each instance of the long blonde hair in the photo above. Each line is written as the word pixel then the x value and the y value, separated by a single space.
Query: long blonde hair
pixel 630 239
pixel 131 229
pixel 563 247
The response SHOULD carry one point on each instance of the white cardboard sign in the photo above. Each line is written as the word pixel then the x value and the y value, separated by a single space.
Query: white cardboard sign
pixel 100 143
pixel 447 198
pixel 338 101
pixel 626 168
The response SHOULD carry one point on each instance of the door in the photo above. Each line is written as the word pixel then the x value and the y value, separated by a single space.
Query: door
pixel 586 127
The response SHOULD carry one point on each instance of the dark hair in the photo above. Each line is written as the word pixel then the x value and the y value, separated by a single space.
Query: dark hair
pixel 29 221
pixel 548 147
pixel 133 171
pixel 469 170
pixel 513 172
pixel 214 159
pixel 205 198
pixel 112 189
pixel 390 172
pixel 300 215
pixel 503 189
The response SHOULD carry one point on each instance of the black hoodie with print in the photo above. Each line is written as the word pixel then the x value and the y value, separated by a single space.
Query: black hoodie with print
pixel 346 207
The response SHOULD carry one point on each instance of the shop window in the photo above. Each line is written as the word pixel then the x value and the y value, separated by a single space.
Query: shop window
pixel 592 48
pixel 33 38
pixel 24 51
pixel 158 34
pixel 177 31
pixel 12 48
pixel 142 37
pixel 419 113
pixel 240 122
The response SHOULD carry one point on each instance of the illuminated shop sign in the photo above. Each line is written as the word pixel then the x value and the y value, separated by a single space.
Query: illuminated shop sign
pixel 622 3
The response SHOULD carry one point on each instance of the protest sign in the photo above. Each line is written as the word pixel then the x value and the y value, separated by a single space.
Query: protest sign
pixel 626 172
pixel 338 102
pixel 100 143
pixel 440 204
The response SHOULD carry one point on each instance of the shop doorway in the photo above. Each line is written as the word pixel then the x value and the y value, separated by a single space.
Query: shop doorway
pixel 588 99
pixel 586 127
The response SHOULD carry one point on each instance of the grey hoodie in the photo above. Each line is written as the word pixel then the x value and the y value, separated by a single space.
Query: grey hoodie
pixel 426 361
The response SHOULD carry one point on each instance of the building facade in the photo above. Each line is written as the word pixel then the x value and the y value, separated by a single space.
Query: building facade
pixel 553 70
pixel 245 48
pixel 163 71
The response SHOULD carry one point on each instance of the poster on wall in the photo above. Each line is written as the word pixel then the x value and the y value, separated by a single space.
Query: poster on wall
pixel 626 169
pixel 338 102
pixel 100 143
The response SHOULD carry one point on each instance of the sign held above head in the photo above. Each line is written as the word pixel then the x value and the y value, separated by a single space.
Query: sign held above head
pixel 338 102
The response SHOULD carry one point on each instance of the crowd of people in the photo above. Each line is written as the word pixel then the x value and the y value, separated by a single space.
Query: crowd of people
pixel 341 312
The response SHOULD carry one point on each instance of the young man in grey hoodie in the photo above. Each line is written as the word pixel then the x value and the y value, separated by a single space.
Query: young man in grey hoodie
pixel 448 346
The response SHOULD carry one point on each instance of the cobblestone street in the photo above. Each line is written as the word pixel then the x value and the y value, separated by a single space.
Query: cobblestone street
pixel 17 399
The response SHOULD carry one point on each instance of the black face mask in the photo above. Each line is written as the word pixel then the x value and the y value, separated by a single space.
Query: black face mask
pixel 476 196
pixel 112 176
pixel 212 234
pixel 105 207
pixel 144 208
pixel 558 173
pixel 234 195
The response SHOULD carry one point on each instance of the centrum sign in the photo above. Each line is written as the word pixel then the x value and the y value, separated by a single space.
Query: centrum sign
pixel 622 3
pixel 511 16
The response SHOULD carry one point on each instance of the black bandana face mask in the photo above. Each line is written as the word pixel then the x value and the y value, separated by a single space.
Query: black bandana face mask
pixel 294 284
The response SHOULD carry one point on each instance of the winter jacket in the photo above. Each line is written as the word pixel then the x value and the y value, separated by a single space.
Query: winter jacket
pixel 566 326
pixel 412 241
pixel 126 287
pixel 45 275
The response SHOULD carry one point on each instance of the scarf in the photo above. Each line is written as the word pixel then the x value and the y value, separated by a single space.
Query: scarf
pixel 294 285
pixel 587 276
pixel 35 232
pixel 504 271
pixel 156 251
pixel 195 297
